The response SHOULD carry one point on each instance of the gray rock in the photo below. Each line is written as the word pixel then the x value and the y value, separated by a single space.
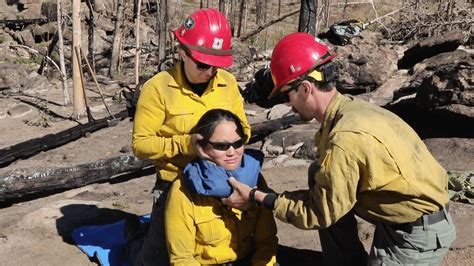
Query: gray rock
pixel 360 70
pixel 3 114
pixel 26 38
pixel 126 149
pixel 279 111
pixel 19 110
pixel 385 93
pixel 445 82
pixel 447 42
pixel 105 24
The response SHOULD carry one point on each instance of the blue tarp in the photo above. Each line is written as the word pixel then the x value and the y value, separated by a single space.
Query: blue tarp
pixel 105 242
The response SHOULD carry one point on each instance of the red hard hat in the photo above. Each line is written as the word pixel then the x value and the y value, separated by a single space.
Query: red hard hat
pixel 296 55
pixel 206 33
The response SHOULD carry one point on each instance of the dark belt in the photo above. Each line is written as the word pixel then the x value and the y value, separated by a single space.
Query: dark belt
pixel 431 219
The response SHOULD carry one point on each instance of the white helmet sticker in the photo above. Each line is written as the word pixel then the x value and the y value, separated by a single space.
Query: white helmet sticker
pixel 189 23
pixel 218 43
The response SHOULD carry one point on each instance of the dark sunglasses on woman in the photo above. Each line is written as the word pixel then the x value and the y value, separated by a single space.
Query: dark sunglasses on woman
pixel 223 146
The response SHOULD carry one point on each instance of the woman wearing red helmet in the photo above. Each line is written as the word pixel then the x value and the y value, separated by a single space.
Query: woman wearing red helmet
pixel 169 106
pixel 370 163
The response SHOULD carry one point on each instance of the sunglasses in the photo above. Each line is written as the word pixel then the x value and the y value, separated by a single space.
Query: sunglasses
pixel 224 146
pixel 293 87
pixel 199 65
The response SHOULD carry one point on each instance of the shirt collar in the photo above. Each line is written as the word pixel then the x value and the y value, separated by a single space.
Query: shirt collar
pixel 322 136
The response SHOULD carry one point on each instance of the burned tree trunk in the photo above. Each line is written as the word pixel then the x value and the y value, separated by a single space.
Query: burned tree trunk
pixel 307 21
pixel 137 43
pixel 114 60
pixel 260 12
pixel 162 29
pixel 90 29
pixel 241 17
pixel 20 184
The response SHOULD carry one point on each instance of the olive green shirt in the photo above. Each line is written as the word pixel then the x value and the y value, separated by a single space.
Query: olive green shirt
pixel 370 161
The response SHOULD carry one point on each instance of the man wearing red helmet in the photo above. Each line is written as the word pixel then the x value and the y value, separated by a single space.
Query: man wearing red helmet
pixel 370 163
pixel 170 105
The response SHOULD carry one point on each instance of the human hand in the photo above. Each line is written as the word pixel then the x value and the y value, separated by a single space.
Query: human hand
pixel 240 197
pixel 195 138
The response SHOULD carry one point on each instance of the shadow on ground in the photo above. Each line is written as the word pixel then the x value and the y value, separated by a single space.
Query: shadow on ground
pixel 78 215
pixel 288 256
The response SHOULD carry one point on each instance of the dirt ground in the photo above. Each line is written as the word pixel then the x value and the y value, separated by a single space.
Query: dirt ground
pixel 37 231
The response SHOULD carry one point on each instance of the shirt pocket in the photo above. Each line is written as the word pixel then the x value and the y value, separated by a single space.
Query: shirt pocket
pixel 180 119
pixel 210 229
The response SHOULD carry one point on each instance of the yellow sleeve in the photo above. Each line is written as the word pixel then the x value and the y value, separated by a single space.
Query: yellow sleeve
pixel 265 234
pixel 331 194
pixel 238 109
pixel 266 241
pixel 149 117
pixel 179 227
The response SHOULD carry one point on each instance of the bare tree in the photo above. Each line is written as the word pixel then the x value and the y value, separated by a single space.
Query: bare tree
pixel 221 5
pixel 279 7
pixel 162 28
pixel 78 96
pixel 59 11
pixel 307 21
pixel 114 59
pixel 90 24
pixel 243 7
pixel 137 43
pixel 233 14
pixel 260 12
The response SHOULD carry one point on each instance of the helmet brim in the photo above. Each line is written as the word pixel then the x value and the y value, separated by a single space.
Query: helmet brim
pixel 213 60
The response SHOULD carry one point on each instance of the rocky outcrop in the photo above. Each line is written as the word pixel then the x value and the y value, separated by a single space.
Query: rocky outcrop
pixel 445 82
pixel 447 42
pixel 365 64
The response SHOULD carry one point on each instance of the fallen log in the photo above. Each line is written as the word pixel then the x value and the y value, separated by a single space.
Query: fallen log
pixel 19 24
pixel 31 147
pixel 20 183
pixel 263 129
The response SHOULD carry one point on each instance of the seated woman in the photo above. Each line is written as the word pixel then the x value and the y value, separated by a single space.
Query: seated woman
pixel 199 228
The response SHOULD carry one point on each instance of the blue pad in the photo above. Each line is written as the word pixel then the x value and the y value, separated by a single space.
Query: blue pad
pixel 106 242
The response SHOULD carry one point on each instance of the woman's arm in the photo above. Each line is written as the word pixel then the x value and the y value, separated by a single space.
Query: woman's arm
pixel 179 227
pixel 148 120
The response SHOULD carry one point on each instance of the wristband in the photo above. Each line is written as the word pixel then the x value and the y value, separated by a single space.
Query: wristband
pixel 269 200
pixel 252 195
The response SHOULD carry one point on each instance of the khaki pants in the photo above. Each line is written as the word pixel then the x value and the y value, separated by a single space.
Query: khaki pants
pixel 420 245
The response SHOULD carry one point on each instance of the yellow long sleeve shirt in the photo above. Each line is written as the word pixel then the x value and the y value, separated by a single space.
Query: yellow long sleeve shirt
pixel 200 230
pixel 370 161
pixel 168 109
